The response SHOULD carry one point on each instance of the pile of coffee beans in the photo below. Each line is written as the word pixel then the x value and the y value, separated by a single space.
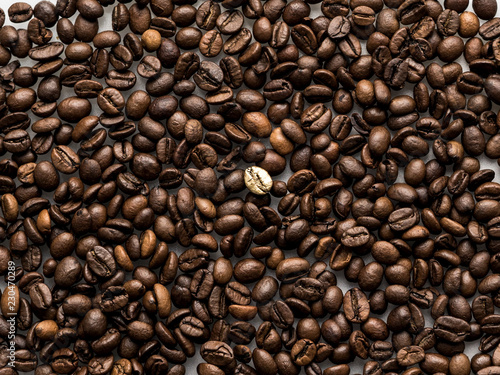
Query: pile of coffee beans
pixel 251 187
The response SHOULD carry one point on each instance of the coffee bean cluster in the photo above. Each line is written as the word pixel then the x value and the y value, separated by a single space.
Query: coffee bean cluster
pixel 270 154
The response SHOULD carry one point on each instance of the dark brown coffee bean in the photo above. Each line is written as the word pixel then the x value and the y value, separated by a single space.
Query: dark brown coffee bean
pixel 411 11
pixel 410 355
pixel 101 262
pixel 20 12
pixel 356 305
pixel 339 27
pixel 217 353
pixel 64 159
pixel 451 329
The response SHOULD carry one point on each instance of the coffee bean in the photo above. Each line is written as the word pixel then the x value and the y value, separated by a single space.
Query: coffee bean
pixel 207 14
pixel 209 76
pixel 484 9
pixel 64 159
pixel 410 355
pixel 217 353
pixel 20 12
pixel 229 22
pixel 356 305
pixel 257 180
pixel 211 43
pixel 339 27
pixel 281 315
pixel 101 262
pixel 308 289
pixel 451 329
pixel 303 352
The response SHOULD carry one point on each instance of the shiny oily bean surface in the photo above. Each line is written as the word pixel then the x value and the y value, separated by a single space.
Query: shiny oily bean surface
pixel 247 187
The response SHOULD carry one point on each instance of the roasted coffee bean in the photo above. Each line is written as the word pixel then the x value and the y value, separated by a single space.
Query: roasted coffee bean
pixel 217 353
pixel 339 27
pixel 356 305
pixel 101 262
pixel 20 12
pixel 410 355
pixel 451 329
pixel 209 76
pixel 64 159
